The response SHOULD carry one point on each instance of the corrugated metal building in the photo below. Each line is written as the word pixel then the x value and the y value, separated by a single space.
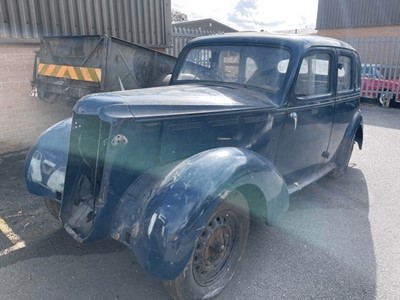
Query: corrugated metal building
pixel 357 13
pixel 204 25
pixel 183 32
pixel 372 27
pixel 368 24
pixel 146 22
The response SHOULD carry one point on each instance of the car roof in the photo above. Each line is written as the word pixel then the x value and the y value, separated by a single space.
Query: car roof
pixel 289 40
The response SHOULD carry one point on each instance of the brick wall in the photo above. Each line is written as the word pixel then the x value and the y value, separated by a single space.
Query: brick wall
pixel 22 117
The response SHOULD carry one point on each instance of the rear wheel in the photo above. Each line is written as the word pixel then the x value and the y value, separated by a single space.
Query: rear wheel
pixel 343 158
pixel 217 252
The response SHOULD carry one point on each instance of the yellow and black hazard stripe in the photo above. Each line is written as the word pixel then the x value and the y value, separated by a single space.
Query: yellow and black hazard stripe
pixel 70 72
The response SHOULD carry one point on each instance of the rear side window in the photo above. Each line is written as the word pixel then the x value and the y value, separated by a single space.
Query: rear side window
pixel 344 83
pixel 314 77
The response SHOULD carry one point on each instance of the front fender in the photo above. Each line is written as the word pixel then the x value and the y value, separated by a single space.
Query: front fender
pixel 162 214
pixel 46 161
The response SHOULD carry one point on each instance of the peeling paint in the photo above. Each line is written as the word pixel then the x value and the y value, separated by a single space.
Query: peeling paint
pixel 50 164
pixel 152 222
pixel 135 229
pixel 119 139
pixel 162 231
pixel 56 180
pixel 115 235
pixel 34 168
pixel 224 194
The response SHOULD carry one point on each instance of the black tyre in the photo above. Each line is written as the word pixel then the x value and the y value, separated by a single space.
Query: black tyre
pixel 343 158
pixel 53 207
pixel 217 252
pixel 388 102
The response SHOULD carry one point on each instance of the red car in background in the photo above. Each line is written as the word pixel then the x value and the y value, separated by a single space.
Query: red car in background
pixel 376 86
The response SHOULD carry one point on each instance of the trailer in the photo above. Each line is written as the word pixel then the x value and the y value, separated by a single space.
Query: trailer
pixel 68 68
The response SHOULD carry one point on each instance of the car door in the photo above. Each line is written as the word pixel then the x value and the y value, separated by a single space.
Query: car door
pixel 306 131
pixel 347 96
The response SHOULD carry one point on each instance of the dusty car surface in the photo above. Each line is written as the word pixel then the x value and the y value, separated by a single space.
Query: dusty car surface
pixel 176 172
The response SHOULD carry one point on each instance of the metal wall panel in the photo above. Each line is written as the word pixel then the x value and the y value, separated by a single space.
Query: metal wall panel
pixel 357 13
pixel 146 22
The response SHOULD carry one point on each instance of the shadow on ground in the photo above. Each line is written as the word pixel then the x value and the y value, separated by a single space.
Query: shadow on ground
pixel 322 248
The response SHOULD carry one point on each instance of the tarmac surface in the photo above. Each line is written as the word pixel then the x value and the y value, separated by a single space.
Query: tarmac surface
pixel 340 239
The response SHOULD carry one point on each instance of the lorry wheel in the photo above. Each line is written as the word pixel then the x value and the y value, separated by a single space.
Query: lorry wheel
pixel 217 252
pixel 384 101
pixel 53 207
pixel 342 161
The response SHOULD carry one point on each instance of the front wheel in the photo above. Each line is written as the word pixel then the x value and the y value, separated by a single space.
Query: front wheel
pixel 217 252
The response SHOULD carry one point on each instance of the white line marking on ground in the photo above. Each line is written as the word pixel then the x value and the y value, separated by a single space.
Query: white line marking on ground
pixel 13 237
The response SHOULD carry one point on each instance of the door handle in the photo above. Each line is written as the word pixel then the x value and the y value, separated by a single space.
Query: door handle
pixel 293 115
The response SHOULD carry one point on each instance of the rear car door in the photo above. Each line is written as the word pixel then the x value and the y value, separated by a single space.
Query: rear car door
pixel 307 128
pixel 348 88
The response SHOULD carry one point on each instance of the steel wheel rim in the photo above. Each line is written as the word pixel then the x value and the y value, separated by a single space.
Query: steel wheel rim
pixel 215 247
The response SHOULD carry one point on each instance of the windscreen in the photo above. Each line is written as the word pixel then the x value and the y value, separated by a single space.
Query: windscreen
pixel 258 66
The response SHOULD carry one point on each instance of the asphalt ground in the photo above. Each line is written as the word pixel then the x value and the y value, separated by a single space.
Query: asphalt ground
pixel 340 239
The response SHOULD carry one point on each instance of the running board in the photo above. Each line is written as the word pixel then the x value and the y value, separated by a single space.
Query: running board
pixel 297 186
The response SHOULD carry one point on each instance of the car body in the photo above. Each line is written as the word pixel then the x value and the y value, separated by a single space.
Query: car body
pixel 376 86
pixel 174 172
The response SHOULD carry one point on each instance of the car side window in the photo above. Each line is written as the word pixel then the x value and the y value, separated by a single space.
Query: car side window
pixel 314 77
pixel 344 83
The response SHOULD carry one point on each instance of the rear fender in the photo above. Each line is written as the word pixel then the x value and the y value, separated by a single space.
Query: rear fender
pixel 356 129
pixel 162 214
pixel 353 130
pixel 46 161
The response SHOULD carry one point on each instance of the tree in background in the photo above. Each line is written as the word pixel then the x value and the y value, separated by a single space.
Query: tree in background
pixel 178 16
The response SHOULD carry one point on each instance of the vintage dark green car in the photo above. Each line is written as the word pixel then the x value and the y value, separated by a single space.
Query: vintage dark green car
pixel 176 172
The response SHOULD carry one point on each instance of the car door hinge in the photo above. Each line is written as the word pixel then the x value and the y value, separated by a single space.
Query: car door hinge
pixel 325 154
